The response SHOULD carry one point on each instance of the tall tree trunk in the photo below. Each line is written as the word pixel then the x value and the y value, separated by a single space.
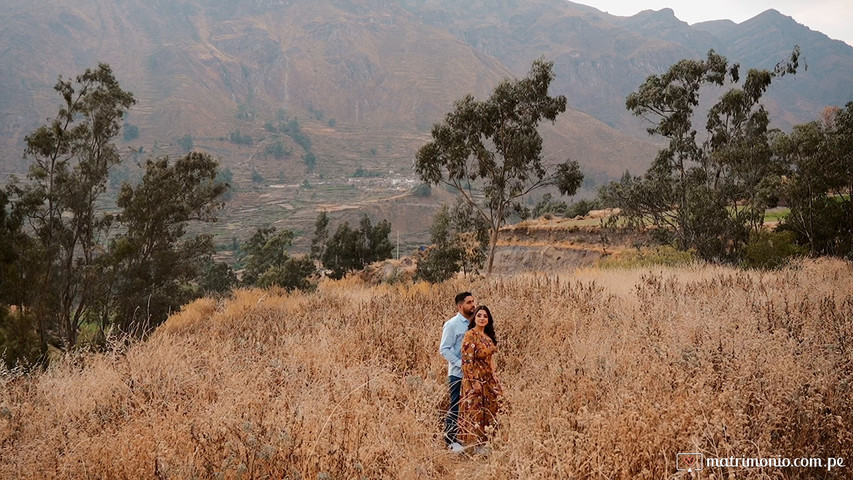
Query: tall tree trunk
pixel 496 226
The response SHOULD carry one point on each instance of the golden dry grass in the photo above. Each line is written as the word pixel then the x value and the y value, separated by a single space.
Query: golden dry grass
pixel 608 373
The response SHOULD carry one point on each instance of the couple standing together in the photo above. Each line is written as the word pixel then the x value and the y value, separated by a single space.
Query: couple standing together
pixel 468 344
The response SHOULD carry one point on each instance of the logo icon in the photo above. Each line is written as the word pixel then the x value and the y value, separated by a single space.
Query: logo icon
pixel 689 461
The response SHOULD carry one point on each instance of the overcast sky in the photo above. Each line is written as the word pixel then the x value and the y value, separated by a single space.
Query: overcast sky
pixel 831 17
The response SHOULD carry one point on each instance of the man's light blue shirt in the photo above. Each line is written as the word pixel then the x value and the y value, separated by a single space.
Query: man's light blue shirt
pixel 451 344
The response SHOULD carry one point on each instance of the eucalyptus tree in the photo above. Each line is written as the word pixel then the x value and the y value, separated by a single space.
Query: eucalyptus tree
pixel 491 151
pixel 71 159
pixel 321 235
pixel 819 182
pixel 155 263
pixel 709 193
pixel 268 262
pixel 459 239
pixel 349 249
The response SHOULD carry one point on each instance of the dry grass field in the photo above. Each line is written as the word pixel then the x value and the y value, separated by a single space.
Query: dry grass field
pixel 609 374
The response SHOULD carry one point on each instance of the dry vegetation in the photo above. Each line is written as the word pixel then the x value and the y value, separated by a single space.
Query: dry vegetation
pixel 609 374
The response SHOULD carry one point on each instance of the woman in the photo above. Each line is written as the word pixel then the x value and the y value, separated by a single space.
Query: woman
pixel 481 390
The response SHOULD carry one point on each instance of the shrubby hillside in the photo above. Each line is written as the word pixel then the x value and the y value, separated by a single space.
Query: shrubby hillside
pixel 609 373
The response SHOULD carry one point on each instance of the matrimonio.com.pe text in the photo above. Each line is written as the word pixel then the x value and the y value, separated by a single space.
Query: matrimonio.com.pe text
pixel 693 462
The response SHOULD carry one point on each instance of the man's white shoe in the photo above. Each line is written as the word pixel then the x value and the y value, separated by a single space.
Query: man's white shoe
pixel 456 447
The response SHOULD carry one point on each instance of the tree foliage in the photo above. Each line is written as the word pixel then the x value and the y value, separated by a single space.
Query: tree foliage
pixel 67 257
pixel 459 239
pixel 442 258
pixel 268 263
pixel 321 235
pixel 819 181
pixel 342 252
pixel 351 249
pixel 71 158
pixel 470 233
pixel 770 250
pixel 547 205
pixel 8 254
pixel 19 339
pixel 217 279
pixel 707 194
pixel 491 152
pixel 152 262
pixel 278 150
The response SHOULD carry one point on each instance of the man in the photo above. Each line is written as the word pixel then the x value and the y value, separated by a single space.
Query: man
pixel 451 349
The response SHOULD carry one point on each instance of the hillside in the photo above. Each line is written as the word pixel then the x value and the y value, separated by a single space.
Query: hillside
pixel 601 58
pixel 607 373
pixel 364 80
pixel 824 60
pixel 205 69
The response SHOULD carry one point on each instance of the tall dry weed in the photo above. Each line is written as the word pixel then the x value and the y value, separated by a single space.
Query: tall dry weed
pixel 608 374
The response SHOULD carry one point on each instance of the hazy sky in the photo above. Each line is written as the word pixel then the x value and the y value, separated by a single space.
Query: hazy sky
pixel 832 17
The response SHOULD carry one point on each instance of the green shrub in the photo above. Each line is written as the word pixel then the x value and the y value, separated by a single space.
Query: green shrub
pixel 292 275
pixel 19 341
pixel 269 264
pixel 278 150
pixel 770 250
pixel 438 263
pixel 217 278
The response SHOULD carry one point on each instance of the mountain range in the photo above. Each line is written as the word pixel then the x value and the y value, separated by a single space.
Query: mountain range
pixel 364 80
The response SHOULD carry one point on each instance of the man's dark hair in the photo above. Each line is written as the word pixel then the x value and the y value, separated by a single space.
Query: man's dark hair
pixel 460 299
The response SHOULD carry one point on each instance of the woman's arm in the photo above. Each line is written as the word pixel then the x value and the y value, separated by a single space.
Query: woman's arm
pixel 494 367
pixel 469 372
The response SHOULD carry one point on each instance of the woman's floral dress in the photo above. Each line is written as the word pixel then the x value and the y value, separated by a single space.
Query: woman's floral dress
pixel 478 409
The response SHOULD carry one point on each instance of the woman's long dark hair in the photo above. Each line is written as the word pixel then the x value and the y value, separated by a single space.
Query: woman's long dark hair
pixel 490 327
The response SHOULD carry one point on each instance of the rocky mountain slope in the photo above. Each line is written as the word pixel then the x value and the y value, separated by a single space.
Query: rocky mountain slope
pixel 364 80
